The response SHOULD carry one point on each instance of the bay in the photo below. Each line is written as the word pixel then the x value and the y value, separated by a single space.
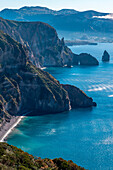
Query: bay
pixel 82 135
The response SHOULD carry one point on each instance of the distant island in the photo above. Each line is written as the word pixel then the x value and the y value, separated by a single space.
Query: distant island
pixel 96 25
pixel 79 42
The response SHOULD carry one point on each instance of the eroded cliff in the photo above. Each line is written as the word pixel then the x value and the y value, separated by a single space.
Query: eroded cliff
pixel 24 87
pixel 43 44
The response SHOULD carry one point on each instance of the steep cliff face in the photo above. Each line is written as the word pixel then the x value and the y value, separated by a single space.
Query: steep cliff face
pixel 36 90
pixel 24 87
pixel 12 53
pixel 45 48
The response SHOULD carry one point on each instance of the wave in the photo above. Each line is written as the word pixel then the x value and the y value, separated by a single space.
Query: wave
pixel 110 95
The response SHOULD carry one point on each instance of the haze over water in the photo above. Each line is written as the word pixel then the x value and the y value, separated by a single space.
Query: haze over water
pixel 82 135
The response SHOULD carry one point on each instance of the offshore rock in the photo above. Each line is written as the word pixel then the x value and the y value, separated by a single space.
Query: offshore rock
pixel 87 59
pixel 78 98
pixel 106 56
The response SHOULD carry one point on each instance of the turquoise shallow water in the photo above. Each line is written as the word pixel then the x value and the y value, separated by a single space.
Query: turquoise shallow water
pixel 82 135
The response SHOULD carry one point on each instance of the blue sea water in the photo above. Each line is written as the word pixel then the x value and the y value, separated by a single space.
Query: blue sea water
pixel 82 135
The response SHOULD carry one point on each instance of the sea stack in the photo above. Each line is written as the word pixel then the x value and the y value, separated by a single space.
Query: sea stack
pixel 106 56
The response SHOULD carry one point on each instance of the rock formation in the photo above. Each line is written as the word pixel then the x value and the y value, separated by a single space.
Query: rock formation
pixel 87 59
pixel 45 48
pixel 43 44
pixel 78 98
pixel 106 56
pixel 23 86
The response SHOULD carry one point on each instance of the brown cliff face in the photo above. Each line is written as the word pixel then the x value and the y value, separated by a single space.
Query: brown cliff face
pixel 45 48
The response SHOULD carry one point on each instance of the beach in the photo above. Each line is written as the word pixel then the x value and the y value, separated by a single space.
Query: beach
pixel 7 128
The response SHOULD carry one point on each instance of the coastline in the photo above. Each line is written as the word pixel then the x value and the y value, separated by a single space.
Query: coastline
pixel 8 127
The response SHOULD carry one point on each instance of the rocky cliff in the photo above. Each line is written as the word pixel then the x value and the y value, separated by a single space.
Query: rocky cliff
pixel 42 42
pixel 78 98
pixel 23 86
pixel 45 48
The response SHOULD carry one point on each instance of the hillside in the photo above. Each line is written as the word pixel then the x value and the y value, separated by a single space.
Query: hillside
pixel 15 159
pixel 24 87
pixel 65 19
pixel 42 42
pixel 45 48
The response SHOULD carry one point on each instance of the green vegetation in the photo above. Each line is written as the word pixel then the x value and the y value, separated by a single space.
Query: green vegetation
pixel 12 158
pixel 48 81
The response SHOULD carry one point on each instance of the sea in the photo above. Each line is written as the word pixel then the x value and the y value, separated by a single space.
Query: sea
pixel 84 136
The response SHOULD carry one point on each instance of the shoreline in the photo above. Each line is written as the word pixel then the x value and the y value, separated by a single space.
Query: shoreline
pixel 9 126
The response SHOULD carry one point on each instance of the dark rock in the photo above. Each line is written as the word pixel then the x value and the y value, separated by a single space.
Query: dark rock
pixel 87 59
pixel 69 64
pixel 41 40
pixel 75 59
pixel 78 98
pixel 44 46
pixel 94 104
pixel 106 56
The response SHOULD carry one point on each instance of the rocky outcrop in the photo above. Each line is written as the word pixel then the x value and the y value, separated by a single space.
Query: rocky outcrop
pixel 87 60
pixel 41 40
pixel 44 46
pixel 23 86
pixel 78 98
pixel 106 56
